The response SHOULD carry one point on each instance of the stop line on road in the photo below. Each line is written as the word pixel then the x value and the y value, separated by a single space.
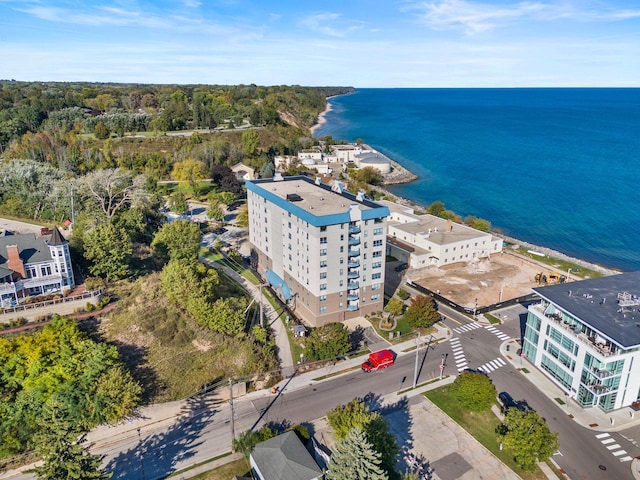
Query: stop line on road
pixel 466 328
pixel 497 333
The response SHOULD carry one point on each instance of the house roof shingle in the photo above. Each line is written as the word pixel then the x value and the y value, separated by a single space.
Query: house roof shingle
pixel 285 458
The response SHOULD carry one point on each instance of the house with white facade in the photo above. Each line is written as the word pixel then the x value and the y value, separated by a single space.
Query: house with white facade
pixel 243 172
pixel 320 247
pixel 585 336
pixel 33 266
pixel 427 240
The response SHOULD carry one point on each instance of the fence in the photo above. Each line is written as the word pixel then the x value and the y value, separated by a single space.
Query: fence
pixel 40 308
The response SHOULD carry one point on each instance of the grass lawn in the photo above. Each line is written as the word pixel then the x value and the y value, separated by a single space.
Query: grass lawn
pixel 239 468
pixel 403 326
pixel 492 319
pixel 481 426
pixel 562 265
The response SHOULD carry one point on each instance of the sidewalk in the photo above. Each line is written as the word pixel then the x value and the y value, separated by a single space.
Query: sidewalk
pixel 593 418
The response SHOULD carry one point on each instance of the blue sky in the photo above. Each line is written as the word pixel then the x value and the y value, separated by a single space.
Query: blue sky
pixel 361 43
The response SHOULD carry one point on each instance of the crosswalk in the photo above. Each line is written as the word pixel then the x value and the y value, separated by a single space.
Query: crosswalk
pixel 615 449
pixel 497 333
pixel 466 328
pixel 458 354
pixel 492 365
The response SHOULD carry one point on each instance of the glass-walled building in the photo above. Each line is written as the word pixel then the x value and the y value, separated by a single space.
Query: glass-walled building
pixel 585 336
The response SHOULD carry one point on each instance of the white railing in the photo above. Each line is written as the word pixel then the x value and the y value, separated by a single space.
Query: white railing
pixel 47 303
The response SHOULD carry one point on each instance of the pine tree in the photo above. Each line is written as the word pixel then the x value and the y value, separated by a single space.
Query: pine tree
pixel 62 451
pixel 355 459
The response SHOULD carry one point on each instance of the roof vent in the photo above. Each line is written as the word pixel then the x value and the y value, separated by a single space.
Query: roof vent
pixel 337 187
pixel 277 177
pixel 293 197
pixel 317 182
pixel 360 196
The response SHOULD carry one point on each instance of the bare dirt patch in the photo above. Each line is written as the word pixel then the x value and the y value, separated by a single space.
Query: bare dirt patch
pixel 481 283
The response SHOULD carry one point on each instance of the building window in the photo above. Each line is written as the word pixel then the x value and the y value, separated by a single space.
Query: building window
pixel 341 260
pixel 323 309
pixel 377 254
pixel 341 283
pixel 375 286
pixel 45 270
pixel 323 229
pixel 375 297
pixel 323 275
pixel 323 298
pixel 342 237
pixel 30 271
pixel 323 286
pixel 376 276
pixel 342 249
pixel 377 231
pixel 323 240
pixel 376 265
pixel 323 252
pixel 323 263
pixel 377 243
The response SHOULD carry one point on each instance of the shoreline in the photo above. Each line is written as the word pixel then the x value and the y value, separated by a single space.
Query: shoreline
pixel 405 175
pixel 321 118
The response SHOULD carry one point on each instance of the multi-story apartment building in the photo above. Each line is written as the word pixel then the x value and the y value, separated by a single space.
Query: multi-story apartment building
pixel 33 266
pixel 321 248
pixel 585 336
pixel 427 240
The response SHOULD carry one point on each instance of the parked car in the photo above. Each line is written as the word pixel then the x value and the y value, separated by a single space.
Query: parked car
pixel 508 402
pixel 402 266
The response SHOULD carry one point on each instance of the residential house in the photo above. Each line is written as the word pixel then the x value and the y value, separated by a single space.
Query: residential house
pixel 283 458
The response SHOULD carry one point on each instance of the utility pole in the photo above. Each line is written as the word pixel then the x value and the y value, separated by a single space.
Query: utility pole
pixel 442 367
pixel 73 213
pixel 261 309
pixel 415 375
pixel 233 426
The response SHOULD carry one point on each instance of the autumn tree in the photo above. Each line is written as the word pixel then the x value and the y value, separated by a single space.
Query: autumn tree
pixel 354 458
pixel 422 311
pixel 242 219
pixel 528 437
pixel 101 131
pixel 215 211
pixel 474 391
pixel 191 171
pixel 395 307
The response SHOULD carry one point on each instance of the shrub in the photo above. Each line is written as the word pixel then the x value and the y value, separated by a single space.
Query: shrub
pixel 90 307
pixel 403 294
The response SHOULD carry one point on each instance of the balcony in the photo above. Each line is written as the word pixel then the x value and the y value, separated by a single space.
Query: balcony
pixel 353 275
pixel 352 306
pixel 354 230
pixel 353 285
pixel 10 287
pixel 354 253
pixel 602 373
pixel 353 264
pixel 353 297
pixel 597 389
pixel 353 242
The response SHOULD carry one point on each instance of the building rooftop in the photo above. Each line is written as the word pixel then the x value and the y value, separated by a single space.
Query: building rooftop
pixel 313 197
pixel 285 458
pixel 30 248
pixel 601 304
pixel 438 230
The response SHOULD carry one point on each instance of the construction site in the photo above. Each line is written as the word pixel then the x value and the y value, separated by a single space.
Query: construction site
pixel 487 281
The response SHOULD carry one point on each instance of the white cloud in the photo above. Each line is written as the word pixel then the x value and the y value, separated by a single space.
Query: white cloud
pixel 191 3
pixel 325 23
pixel 476 17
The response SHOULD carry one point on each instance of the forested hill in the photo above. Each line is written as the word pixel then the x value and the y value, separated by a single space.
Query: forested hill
pixel 82 107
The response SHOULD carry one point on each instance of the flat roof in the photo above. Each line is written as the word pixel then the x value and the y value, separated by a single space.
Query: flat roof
pixel 316 200
pixel 447 232
pixel 595 302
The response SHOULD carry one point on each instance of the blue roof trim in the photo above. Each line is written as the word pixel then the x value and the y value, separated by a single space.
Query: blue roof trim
pixel 286 292
pixel 274 279
pixel 374 210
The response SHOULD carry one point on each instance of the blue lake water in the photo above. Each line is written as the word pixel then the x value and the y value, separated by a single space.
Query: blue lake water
pixel 558 168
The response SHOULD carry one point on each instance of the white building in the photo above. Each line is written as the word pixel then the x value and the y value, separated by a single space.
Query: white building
pixel 584 336
pixel 427 240
pixel 321 248
pixel 33 266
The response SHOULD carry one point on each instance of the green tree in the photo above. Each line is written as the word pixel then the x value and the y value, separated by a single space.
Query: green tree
pixel 395 307
pixel 356 414
pixel 422 311
pixel 178 203
pixel 368 175
pixel 528 437
pixel 249 439
pixel 474 391
pixel 250 142
pixel 61 449
pixel 226 315
pixel 215 211
pixel 178 240
pixel 328 341
pixel 437 209
pixel 478 223
pixel 108 250
pixel 354 458
pixel 226 198
pixel 101 131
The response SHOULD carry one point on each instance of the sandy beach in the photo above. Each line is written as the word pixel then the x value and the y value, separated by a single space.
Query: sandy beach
pixel 321 119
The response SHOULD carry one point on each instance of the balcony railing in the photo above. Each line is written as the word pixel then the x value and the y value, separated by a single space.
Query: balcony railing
pixel 597 389
pixel 602 373
pixel 353 285
pixel 354 253
pixel 352 306
pixel 354 230
pixel 353 297
pixel 353 264
pixel 353 275
pixel 354 242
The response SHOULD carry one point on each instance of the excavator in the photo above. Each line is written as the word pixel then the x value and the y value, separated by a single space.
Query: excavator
pixel 550 278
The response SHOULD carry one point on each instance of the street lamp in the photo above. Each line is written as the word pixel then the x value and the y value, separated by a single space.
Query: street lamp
pixel 415 375
pixel 442 366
